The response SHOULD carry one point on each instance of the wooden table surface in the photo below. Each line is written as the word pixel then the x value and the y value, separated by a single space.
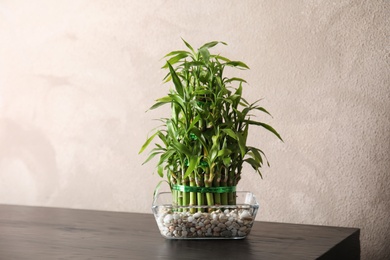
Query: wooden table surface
pixel 57 233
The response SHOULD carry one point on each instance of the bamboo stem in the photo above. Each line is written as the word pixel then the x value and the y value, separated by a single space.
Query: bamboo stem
pixel 193 195
pixel 186 195
pixel 231 195
pixel 200 199
pixel 217 196
pixel 208 183
pixel 224 196
pixel 199 195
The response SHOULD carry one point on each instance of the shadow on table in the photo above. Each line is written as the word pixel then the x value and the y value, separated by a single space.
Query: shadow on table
pixel 212 249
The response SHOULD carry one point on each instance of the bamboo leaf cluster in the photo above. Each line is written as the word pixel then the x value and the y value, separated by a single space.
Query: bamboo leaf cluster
pixel 203 143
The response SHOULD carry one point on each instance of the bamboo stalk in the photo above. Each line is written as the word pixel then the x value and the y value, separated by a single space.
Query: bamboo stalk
pixel 217 195
pixel 179 195
pixel 193 195
pixel 224 196
pixel 231 195
pixel 199 195
pixel 200 200
pixel 186 195
pixel 208 183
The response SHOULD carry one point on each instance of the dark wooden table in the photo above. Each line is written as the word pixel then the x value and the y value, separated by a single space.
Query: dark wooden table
pixel 56 233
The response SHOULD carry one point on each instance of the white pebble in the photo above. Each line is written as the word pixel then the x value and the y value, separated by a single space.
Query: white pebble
pixel 161 219
pixel 168 218
pixel 245 215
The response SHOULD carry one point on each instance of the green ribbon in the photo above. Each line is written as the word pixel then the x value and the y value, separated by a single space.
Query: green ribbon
pixel 193 137
pixel 185 188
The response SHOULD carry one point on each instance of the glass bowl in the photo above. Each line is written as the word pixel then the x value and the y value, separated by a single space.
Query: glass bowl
pixel 205 222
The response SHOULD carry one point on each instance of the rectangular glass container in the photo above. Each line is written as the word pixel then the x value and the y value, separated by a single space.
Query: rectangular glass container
pixel 205 222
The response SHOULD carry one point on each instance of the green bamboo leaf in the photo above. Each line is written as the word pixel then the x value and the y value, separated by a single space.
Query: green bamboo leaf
pixel 224 152
pixel 161 101
pixel 160 170
pixel 211 44
pixel 237 64
pixel 256 154
pixel 147 142
pixel 172 53
pixel 230 133
pixel 253 106
pixel 239 116
pixel 176 81
pixel 214 149
pixel 259 172
pixel 165 156
pixel 243 102
pixel 227 161
pixel 194 64
pixel 245 132
pixel 151 156
pixel 241 144
pixel 237 96
pixel 193 123
pixel 262 109
pixel 162 138
pixel 193 162
pixel 171 129
pixel 255 164
pixel 181 148
pixel 268 127
pixel 235 79
pixel 175 59
pixel 167 78
pixel 213 154
pixel 158 104
pixel 264 156
pixel 188 45
pixel 218 57
pixel 205 54
pixel 202 92
pixel 179 101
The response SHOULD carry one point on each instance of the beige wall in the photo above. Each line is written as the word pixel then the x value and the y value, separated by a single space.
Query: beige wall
pixel 77 76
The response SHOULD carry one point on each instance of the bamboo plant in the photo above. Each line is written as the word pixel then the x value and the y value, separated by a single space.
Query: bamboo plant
pixel 203 144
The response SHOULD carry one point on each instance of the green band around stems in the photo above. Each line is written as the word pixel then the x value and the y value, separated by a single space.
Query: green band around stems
pixel 204 189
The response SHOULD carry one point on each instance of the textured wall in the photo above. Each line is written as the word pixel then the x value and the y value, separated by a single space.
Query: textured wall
pixel 76 78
